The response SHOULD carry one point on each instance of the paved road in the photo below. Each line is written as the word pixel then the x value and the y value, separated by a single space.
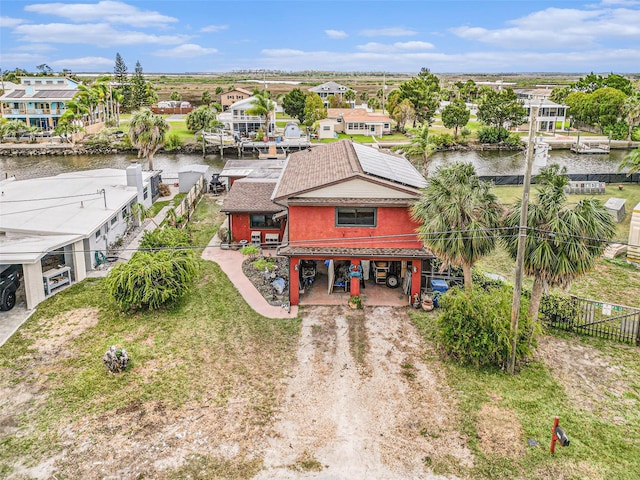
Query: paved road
pixel 10 321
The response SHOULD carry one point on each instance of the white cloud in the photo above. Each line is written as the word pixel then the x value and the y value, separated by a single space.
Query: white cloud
pixel 36 47
pixel 188 50
pixel 556 28
pixel 283 52
pixel 10 22
pixel 620 60
pixel 626 3
pixel 20 59
pixel 83 63
pixel 388 32
pixel 214 28
pixel 107 11
pixel 98 34
pixel 336 34
pixel 376 47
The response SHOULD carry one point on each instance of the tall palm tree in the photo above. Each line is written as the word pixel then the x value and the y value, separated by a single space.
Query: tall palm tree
pixel 562 243
pixel 261 105
pixel 420 147
pixel 350 97
pixel 147 132
pixel 89 98
pixel 631 108
pixel 459 216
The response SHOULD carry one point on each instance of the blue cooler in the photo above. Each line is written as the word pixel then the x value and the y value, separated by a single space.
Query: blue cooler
pixel 439 285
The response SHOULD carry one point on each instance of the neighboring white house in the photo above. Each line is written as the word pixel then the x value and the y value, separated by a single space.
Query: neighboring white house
pixel 238 120
pixel 67 221
pixel 549 114
pixel 329 89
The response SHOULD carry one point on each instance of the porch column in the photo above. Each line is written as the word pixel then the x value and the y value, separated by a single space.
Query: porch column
pixel 33 284
pixel 294 281
pixel 416 277
pixel 355 281
pixel 79 266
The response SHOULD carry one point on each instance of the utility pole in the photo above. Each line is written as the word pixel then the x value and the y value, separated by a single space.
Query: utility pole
pixel 522 239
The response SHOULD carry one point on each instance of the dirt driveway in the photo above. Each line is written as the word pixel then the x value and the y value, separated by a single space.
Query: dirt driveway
pixel 361 403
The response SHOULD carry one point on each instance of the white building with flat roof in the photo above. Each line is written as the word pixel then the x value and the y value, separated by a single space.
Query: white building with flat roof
pixel 68 221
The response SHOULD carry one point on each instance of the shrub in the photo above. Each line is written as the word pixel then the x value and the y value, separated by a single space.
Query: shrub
pixel 168 237
pixel 442 140
pixel 164 190
pixel 558 308
pixel 223 234
pixel 513 140
pixel 263 264
pixel 474 327
pixel 151 279
pixel 172 142
pixel 250 251
pixel 492 134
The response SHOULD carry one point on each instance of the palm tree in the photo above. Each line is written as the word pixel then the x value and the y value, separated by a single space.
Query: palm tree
pixel 350 97
pixel 459 217
pixel 562 243
pixel 261 105
pixel 420 147
pixel 147 133
pixel 632 110
pixel 89 99
pixel 631 161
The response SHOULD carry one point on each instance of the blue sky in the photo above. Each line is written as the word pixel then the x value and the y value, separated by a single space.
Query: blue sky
pixel 177 36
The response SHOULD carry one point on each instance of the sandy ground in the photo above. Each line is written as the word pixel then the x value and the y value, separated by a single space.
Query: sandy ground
pixel 360 403
pixel 383 418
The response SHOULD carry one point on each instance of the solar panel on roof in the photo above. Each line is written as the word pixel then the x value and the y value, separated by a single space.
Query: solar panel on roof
pixel 392 168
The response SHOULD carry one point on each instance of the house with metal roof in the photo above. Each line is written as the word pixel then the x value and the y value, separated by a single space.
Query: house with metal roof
pixel 347 210
pixel 38 101
pixel 59 228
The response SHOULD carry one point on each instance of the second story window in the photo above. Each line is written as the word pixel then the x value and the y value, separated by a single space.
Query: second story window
pixel 355 217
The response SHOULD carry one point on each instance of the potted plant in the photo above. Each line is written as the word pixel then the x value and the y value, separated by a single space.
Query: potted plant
pixel 355 302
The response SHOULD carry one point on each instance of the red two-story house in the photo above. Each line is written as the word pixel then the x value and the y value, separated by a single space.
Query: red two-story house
pixel 347 210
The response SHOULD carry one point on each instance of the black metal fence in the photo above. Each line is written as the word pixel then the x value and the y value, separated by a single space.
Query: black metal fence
pixel 599 319
pixel 608 178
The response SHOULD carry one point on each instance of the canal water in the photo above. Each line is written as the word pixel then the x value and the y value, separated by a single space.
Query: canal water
pixel 486 163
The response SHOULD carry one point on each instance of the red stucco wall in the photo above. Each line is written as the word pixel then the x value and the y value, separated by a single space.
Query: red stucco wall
pixel 316 223
pixel 241 228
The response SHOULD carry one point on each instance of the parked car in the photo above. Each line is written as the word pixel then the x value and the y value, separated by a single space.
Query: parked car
pixel 9 283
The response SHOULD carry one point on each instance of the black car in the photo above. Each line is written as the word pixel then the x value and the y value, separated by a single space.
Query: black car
pixel 9 283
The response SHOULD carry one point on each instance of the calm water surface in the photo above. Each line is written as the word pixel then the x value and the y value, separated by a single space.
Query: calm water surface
pixel 486 163
pixel 48 165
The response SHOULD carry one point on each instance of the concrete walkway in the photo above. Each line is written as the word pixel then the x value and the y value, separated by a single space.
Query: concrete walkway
pixel 12 320
pixel 230 262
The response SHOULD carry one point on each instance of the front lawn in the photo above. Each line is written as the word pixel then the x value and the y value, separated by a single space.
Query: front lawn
pixel 613 281
pixel 209 359
pixel 591 385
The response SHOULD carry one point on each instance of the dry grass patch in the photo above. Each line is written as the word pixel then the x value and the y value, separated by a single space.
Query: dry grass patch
pixel 499 431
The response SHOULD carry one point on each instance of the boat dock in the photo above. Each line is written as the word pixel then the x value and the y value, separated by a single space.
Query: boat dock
pixel 278 149
pixel 592 147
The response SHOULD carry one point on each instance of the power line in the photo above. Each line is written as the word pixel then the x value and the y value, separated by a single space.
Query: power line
pixel 49 198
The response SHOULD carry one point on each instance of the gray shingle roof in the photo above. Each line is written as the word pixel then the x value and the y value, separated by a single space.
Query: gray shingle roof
pixel 332 163
pixel 250 196
pixel 317 166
